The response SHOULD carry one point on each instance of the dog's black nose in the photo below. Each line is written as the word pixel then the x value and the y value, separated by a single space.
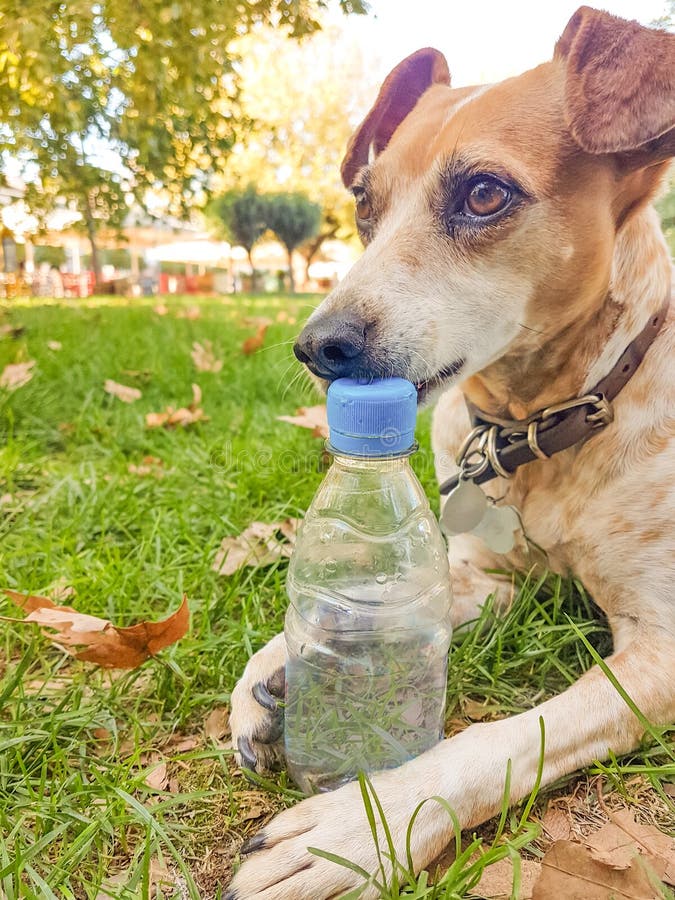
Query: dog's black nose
pixel 332 347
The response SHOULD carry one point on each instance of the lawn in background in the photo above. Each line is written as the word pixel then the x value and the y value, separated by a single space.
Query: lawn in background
pixel 81 813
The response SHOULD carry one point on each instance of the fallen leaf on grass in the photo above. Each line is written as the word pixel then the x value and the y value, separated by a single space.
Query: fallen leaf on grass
pixel 569 870
pixel 557 824
pixel 160 879
pixel 160 309
pixel 179 743
pixel 496 882
pixel 15 375
pixel 260 544
pixel 121 391
pixel 61 590
pixel 622 839
pixel 255 342
pixel 54 345
pixel 314 417
pixel 158 778
pixel 150 465
pixel 99 641
pixel 204 358
pixel 217 723
pixel 184 416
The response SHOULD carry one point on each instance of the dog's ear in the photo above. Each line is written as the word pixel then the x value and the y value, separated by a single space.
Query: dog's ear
pixel 401 90
pixel 619 86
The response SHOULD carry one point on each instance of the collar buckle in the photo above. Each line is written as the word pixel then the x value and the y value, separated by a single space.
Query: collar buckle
pixel 602 415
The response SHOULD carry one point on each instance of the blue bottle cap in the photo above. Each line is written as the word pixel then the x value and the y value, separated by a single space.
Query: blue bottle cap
pixel 372 418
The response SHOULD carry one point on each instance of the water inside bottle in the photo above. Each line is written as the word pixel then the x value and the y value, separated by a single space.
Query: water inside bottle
pixel 356 704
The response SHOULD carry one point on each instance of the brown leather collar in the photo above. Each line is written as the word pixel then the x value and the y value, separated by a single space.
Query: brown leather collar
pixel 499 446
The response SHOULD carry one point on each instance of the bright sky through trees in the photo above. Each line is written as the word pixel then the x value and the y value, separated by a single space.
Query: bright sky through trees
pixel 483 41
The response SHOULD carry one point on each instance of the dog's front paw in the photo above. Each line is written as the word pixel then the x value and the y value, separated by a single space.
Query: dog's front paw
pixel 256 714
pixel 280 866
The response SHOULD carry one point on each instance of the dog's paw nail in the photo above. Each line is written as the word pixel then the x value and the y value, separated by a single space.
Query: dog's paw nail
pixel 276 683
pixel 263 696
pixel 257 842
pixel 248 758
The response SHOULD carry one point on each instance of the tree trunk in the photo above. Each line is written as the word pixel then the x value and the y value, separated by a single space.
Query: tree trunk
pixel 312 247
pixel 254 279
pixel 291 277
pixel 91 234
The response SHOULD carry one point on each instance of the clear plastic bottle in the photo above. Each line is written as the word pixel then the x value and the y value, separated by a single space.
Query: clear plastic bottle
pixel 367 628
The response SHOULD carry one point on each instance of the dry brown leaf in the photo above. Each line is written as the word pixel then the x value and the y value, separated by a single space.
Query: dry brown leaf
pixel 54 345
pixel 258 545
pixel 121 391
pixel 314 417
pixel 570 871
pixel 60 590
pixel 496 882
pixel 617 843
pixel 217 723
pixel 158 778
pixel 99 641
pixel 16 375
pixel 255 342
pixel 557 824
pixel 160 309
pixel 186 415
pixel 159 881
pixel 150 465
pixel 182 744
pixel 204 358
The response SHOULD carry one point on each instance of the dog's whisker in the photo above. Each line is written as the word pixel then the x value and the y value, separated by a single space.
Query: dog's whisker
pixel 290 341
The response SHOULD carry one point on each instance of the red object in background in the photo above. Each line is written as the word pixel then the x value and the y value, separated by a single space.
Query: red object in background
pixel 185 284
pixel 81 285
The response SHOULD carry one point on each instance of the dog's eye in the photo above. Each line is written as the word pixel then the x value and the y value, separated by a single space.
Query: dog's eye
pixel 363 210
pixel 486 197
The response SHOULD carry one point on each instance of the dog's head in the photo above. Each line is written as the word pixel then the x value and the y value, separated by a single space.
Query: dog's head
pixel 490 214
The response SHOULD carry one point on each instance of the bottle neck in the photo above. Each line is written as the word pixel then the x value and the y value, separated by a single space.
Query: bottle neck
pixel 397 463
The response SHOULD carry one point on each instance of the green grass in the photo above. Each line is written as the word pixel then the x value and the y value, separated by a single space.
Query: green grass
pixel 77 743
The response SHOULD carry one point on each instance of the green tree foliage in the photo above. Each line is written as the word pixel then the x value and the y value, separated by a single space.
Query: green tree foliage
pixel 294 218
pixel 105 100
pixel 242 216
pixel 302 102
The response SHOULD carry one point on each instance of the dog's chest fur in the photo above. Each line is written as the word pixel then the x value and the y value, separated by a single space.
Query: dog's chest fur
pixel 602 511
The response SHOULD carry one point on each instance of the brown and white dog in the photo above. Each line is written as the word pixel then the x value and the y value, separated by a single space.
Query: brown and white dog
pixel 512 255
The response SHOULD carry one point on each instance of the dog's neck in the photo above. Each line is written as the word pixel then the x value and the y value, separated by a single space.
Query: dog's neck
pixel 573 361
